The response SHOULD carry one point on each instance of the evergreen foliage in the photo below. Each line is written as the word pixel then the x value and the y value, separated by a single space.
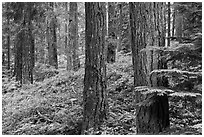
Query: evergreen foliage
pixel 53 103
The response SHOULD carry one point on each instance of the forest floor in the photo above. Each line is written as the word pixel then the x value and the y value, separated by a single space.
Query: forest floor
pixel 54 104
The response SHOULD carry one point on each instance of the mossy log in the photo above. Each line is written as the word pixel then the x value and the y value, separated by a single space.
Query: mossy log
pixel 152 110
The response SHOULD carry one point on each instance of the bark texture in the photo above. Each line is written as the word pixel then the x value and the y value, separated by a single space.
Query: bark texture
pixel 67 48
pixel 147 21
pixel 73 37
pixel 8 40
pixel 94 95
pixel 52 39
pixel 138 42
pixel 24 49
pixel 152 111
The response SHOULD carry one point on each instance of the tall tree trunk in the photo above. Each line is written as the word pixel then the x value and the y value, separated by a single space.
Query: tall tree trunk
pixel 94 95
pixel 178 25
pixel 163 22
pixel 112 32
pixel 138 39
pixel 52 46
pixel 73 35
pixel 28 43
pixel 106 31
pixel 47 37
pixel 8 41
pixel 173 23
pixel 40 52
pixel 18 58
pixel 24 48
pixel 107 19
pixel 69 64
pixel 32 43
pixel 147 30
pixel 32 54
pixel 162 64
pixel 169 23
pixel 147 27
pixel 120 28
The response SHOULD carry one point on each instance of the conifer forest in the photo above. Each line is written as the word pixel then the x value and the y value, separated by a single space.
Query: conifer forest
pixel 101 68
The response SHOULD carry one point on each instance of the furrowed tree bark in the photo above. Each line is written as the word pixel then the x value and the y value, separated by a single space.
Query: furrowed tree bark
pixel 147 29
pixel 52 43
pixel 24 48
pixel 69 61
pixel 138 36
pixel 32 43
pixel 73 35
pixel 8 40
pixel 152 111
pixel 94 94
pixel 147 23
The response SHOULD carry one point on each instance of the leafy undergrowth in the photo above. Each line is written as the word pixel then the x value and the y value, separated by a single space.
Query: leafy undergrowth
pixel 49 107
pixel 54 105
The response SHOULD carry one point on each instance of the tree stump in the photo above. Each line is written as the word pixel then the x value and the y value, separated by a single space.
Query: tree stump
pixel 152 110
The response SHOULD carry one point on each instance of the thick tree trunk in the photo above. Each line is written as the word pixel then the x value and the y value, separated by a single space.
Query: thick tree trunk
pixel 28 46
pixel 147 30
pixel 52 45
pixel 147 23
pixel 24 56
pixel 24 49
pixel 162 64
pixel 94 95
pixel 138 36
pixel 73 35
pixel 32 43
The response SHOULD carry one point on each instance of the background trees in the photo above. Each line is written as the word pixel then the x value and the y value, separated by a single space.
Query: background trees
pixel 110 91
pixel 23 13
pixel 73 36
pixel 52 36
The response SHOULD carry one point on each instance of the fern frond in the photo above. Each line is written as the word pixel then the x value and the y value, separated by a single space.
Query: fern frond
pixel 175 72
